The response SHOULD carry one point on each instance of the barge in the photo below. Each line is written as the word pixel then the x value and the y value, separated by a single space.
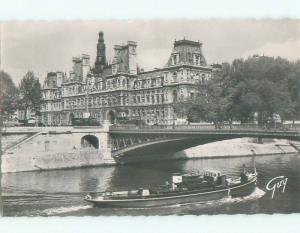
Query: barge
pixel 183 189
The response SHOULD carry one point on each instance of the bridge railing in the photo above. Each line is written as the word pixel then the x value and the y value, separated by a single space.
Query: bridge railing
pixel 211 127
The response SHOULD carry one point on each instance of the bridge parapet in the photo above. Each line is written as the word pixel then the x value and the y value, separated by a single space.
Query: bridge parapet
pixel 58 129
pixel 205 127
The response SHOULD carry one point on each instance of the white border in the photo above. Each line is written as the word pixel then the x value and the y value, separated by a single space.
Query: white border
pixel 146 9
pixel 150 9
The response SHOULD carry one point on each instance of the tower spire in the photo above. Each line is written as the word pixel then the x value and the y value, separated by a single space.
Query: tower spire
pixel 100 62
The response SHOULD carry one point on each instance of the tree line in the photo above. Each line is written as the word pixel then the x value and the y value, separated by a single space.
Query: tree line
pixel 26 96
pixel 255 89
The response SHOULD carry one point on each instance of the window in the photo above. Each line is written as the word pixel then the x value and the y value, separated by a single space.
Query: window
pixel 166 77
pixel 175 59
pixel 197 59
pixel 192 95
pixel 114 69
pixel 203 78
pixel 174 76
pixel 174 96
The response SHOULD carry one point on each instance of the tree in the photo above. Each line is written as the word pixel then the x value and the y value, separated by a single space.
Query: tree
pixel 211 103
pixel 260 85
pixel 30 93
pixel 293 83
pixel 8 95
pixel 181 107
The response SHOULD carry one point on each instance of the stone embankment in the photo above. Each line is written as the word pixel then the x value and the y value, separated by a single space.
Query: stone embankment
pixel 240 147
pixel 55 148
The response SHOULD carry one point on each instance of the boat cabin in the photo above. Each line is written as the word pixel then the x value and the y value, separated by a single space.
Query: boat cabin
pixel 214 174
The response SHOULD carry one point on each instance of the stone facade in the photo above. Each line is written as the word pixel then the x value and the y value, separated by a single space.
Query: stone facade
pixel 120 91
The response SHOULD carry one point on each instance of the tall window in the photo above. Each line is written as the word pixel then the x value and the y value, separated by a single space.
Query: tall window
pixel 175 77
pixel 174 96
pixel 114 68
pixel 203 78
pixel 175 59
pixel 197 59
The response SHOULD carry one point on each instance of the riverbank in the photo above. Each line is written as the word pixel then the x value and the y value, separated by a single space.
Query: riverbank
pixel 239 147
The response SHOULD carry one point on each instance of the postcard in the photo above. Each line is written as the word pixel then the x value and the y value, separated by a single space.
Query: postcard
pixel 158 117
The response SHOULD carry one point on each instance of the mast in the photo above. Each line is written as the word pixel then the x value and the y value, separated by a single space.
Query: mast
pixel 253 161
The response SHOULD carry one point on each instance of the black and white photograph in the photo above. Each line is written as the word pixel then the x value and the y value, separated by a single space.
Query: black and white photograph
pixel 150 117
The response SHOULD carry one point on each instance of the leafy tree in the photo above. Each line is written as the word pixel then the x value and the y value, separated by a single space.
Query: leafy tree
pixel 8 95
pixel 260 85
pixel 181 107
pixel 30 93
pixel 293 83
pixel 212 103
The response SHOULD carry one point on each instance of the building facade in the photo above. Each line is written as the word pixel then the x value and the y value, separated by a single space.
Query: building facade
pixel 120 91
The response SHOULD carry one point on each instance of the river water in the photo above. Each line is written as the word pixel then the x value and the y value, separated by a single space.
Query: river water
pixel 61 192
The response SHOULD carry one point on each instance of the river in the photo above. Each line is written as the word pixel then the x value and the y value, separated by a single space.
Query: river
pixel 61 192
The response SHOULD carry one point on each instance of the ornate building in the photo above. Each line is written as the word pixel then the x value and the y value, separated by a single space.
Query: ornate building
pixel 120 91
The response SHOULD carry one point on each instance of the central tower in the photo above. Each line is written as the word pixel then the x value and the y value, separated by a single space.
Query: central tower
pixel 100 62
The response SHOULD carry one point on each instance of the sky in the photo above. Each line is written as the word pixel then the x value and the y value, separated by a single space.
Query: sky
pixel 44 46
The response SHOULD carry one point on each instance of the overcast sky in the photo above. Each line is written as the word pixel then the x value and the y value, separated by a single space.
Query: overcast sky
pixel 49 46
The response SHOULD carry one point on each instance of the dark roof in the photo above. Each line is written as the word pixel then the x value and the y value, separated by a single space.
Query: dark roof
pixel 187 42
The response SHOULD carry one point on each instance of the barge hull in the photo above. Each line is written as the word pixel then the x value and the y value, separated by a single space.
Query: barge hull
pixel 237 191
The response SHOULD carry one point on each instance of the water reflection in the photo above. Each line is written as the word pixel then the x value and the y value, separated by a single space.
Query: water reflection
pixel 63 181
pixel 61 192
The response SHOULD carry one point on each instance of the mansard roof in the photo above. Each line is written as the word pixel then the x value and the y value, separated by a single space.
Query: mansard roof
pixel 186 50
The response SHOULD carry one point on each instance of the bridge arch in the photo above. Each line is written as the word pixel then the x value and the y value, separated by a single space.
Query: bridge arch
pixel 90 141
pixel 132 145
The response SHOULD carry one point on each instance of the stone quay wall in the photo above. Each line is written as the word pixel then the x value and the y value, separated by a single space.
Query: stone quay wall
pixel 57 149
